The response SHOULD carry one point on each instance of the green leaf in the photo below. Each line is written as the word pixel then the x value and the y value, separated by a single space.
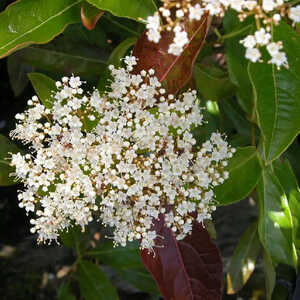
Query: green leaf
pixel 235 58
pixel 293 154
pixel 280 292
pixel 17 74
pixel 114 59
pixel 127 262
pixel 90 15
pixel 132 9
pixel 212 124
pixel 75 238
pixel 243 260
pixel 287 178
pixel 244 172
pixel 94 285
pixel 270 275
pixel 120 51
pixel 275 224
pixel 65 293
pixel 35 22
pixel 63 59
pixel 237 116
pixel 294 203
pixel 212 83
pixel 76 33
pixel 277 94
pixel 6 147
pixel 44 87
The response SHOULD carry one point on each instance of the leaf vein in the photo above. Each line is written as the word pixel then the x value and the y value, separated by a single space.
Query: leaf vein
pixel 41 24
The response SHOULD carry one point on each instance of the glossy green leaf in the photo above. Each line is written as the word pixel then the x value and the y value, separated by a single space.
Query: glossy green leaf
pixel 121 27
pixel 243 260
pixel 28 22
pixel 17 72
pixel 62 60
pixel 114 59
pixel 293 154
pixel 76 33
pixel 275 224
pixel 94 285
pixel 281 292
pixel 120 51
pixel 212 83
pixel 44 87
pixel 277 94
pixel 132 9
pixel 294 203
pixel 75 238
pixel 127 262
pixel 244 172
pixel 270 275
pixel 236 115
pixel 6 147
pixel 287 178
pixel 235 58
pixel 64 292
pixel 212 124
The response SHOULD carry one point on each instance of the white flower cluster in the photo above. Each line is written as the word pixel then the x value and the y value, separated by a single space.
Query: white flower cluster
pixel 184 10
pixel 263 38
pixel 123 157
pixel 267 13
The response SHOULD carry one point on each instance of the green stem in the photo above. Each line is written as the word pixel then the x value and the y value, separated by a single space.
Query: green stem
pixel 217 32
pixel 233 34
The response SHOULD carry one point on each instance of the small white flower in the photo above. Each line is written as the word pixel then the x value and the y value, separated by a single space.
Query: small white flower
pixel 237 4
pixel 249 41
pixel 75 82
pixel 269 5
pixel 181 38
pixel 175 49
pixel 253 54
pixel 273 48
pixel 276 18
pixel 279 59
pixel 179 13
pixel 196 12
pixel 153 35
pixel 165 12
pixel 262 37
pixel 153 22
pixel 294 13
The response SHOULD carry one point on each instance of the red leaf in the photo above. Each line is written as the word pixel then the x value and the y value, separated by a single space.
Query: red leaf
pixel 90 15
pixel 190 269
pixel 174 71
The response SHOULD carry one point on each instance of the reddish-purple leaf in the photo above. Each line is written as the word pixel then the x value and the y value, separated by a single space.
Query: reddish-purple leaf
pixel 173 71
pixel 90 15
pixel 190 269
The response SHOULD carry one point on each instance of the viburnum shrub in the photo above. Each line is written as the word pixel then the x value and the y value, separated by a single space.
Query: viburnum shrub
pixel 131 146
pixel 197 107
